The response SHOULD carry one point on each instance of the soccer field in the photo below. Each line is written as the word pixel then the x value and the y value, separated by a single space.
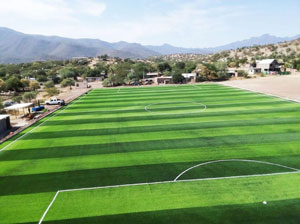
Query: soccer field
pixel 172 154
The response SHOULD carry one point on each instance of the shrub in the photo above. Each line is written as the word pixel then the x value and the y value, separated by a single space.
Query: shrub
pixel 17 99
pixel 49 84
pixel 34 85
pixel 29 96
pixel 52 91
pixel 67 82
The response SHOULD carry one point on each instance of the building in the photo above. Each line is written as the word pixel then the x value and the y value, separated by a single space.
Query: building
pixel 190 77
pixel 151 75
pixel 4 123
pixel 268 66
pixel 164 80
pixel 94 79
pixel 232 72
pixel 253 71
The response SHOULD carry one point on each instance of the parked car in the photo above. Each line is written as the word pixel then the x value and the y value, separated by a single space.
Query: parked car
pixel 38 108
pixel 9 103
pixel 54 101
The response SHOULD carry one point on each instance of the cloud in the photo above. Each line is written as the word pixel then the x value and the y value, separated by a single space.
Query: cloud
pixel 178 22
pixel 185 22
pixel 62 10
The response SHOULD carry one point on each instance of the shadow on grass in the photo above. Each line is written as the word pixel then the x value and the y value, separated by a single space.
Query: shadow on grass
pixel 111 148
pixel 170 116
pixel 162 128
pixel 275 212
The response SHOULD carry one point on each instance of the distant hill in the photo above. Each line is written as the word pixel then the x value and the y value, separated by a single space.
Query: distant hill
pixel 167 49
pixel 259 41
pixel 16 47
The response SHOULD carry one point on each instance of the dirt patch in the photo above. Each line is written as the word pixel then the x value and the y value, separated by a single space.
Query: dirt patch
pixel 282 86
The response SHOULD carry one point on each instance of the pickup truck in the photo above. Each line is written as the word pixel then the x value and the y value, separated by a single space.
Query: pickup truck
pixel 54 101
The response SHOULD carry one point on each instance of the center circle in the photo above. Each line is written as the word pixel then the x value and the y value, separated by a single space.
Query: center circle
pixel 180 107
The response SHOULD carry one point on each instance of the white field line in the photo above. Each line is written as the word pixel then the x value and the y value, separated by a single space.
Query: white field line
pixel 119 90
pixel 192 102
pixel 198 87
pixel 22 136
pixel 45 213
pixel 267 94
pixel 234 160
pixel 161 182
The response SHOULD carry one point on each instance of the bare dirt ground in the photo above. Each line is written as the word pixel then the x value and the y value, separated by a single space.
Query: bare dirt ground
pixel 19 123
pixel 287 86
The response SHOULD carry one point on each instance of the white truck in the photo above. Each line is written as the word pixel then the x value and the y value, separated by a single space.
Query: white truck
pixel 55 101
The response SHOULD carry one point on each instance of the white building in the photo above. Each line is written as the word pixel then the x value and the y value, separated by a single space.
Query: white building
pixel 190 76
pixel 268 66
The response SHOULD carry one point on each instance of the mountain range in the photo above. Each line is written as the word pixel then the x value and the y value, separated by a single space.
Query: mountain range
pixel 17 47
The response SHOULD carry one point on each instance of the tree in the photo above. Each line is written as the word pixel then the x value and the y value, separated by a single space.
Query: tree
pixel 140 69
pixel 29 96
pixel 68 72
pixel 42 78
pixel 163 67
pixel 2 85
pixel 180 65
pixel 68 82
pixel 298 67
pixel 221 66
pixel 55 79
pixel 34 85
pixel 1 103
pixel 110 81
pixel 25 83
pixel 14 84
pixel 49 84
pixel 190 67
pixel 106 83
pixel 131 77
pixel 208 72
pixel 52 91
pixel 177 77
pixel 119 73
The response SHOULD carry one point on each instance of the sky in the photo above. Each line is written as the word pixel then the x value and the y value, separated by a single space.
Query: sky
pixel 184 23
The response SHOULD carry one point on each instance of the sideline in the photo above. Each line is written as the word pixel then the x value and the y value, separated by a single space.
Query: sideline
pixel 261 93
pixel 53 115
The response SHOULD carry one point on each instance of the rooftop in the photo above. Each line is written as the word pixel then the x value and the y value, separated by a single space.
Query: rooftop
pixel 3 116
pixel 265 61
pixel 19 106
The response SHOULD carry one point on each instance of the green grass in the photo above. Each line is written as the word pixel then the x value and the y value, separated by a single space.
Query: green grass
pixel 108 138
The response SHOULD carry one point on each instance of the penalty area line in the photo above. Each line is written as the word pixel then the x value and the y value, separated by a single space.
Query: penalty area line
pixel 160 182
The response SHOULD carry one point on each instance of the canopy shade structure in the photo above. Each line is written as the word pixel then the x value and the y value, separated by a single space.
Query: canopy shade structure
pixel 19 106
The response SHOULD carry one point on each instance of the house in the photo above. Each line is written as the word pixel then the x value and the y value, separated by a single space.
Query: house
pixel 94 79
pixel 152 75
pixel 163 80
pixel 4 123
pixel 232 72
pixel 253 71
pixel 190 77
pixel 268 66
